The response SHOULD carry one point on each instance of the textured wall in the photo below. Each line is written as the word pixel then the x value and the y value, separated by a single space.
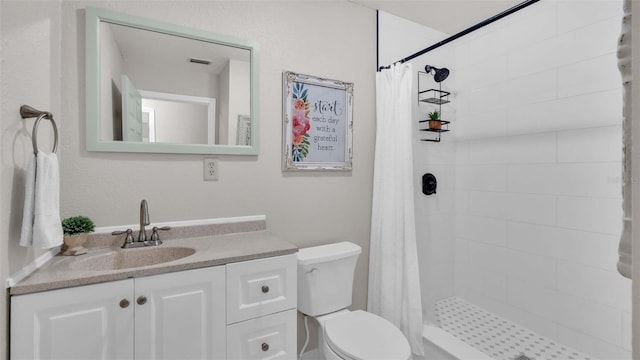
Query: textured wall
pixel 43 43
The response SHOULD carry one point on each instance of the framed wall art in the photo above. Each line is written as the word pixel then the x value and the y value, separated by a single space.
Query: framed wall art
pixel 317 123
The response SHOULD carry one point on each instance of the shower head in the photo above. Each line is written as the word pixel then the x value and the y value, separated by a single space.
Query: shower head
pixel 438 74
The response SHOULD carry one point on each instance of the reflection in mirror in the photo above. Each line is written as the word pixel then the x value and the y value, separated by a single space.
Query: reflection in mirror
pixel 161 88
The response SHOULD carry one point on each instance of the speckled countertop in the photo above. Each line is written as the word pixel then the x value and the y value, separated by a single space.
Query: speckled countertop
pixel 210 250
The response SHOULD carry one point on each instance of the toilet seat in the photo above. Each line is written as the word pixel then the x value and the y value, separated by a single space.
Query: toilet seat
pixel 360 335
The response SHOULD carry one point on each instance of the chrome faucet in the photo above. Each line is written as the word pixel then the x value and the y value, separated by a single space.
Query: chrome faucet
pixel 144 220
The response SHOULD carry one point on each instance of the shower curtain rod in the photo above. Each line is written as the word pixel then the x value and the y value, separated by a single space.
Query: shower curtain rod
pixel 462 33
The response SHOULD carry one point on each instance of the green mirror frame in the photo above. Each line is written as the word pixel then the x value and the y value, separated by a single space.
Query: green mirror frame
pixel 93 18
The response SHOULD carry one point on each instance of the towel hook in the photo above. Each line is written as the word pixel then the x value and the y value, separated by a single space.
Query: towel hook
pixel 27 111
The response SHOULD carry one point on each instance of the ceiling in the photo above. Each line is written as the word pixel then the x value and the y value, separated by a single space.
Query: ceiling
pixel 448 16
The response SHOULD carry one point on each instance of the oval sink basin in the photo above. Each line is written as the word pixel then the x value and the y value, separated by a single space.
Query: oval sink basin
pixel 132 258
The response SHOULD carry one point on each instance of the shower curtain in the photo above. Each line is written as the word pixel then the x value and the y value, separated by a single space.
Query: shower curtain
pixel 394 284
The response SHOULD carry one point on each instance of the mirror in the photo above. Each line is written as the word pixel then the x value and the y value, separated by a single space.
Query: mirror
pixel 161 88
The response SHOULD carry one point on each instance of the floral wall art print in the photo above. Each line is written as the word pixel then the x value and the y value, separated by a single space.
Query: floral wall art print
pixel 317 125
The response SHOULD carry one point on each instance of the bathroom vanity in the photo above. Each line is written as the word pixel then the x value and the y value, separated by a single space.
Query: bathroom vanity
pixel 234 297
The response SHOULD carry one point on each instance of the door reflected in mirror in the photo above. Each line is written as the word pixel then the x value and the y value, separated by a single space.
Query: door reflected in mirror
pixel 163 88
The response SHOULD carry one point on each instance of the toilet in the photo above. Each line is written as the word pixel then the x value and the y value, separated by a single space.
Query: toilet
pixel 325 282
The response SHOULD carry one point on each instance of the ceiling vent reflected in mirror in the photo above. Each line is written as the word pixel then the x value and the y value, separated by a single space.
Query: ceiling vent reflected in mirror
pixel 199 61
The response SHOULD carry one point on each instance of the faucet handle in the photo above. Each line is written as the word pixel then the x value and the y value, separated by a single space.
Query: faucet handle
pixel 155 238
pixel 128 240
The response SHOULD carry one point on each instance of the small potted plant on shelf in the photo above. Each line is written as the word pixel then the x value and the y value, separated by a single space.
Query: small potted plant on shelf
pixel 434 120
pixel 76 231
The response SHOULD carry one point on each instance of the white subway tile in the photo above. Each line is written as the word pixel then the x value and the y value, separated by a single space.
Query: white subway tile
pixel 537 209
pixel 592 75
pixel 600 215
pixel 540 16
pixel 577 112
pixel 532 238
pixel 489 284
pixel 531 118
pixel 490 44
pixel 573 246
pixel 530 148
pixel 590 145
pixel 539 300
pixel 481 125
pixel 482 177
pixel 488 257
pixel 600 286
pixel 583 179
pixel 591 345
pixel 530 89
pixel 575 14
pixel 486 98
pixel 462 202
pixel 589 110
pixel 485 73
pixel 490 204
pixel 587 248
pixel 584 43
pixel 532 268
pixel 533 178
pixel 482 229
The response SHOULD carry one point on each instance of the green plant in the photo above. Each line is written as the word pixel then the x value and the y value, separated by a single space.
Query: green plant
pixel 77 225
pixel 434 115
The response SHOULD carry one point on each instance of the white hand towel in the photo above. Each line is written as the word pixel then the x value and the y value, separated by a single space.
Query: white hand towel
pixel 26 236
pixel 47 228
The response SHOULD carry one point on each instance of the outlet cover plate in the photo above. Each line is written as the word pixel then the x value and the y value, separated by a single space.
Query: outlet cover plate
pixel 210 169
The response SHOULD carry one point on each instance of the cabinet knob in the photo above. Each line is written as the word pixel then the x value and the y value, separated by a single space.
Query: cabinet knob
pixel 265 347
pixel 265 289
pixel 124 303
pixel 142 300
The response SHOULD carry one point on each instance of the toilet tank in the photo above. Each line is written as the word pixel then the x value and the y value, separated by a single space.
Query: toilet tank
pixel 325 277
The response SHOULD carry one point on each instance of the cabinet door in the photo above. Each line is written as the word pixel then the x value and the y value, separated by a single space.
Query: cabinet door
pixel 181 315
pixel 261 287
pixel 269 337
pixel 86 322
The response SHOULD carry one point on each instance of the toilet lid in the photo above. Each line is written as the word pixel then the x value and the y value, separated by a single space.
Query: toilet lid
pixel 362 335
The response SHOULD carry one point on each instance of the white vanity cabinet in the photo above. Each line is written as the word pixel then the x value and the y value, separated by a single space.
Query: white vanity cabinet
pixel 261 308
pixel 243 310
pixel 86 322
pixel 181 315
pixel 176 315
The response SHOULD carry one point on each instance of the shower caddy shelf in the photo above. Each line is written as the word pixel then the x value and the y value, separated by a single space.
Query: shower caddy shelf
pixel 435 97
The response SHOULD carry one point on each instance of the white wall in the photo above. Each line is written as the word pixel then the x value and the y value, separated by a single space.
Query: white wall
pixel 30 74
pixel 111 62
pixel 538 173
pixel 335 40
pixel 239 104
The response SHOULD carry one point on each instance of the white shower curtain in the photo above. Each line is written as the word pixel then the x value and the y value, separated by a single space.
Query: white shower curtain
pixel 394 284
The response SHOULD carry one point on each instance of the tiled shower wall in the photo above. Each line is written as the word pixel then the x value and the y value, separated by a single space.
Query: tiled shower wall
pixel 538 204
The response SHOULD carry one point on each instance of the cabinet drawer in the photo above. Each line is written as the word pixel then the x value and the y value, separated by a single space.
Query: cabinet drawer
pixel 268 337
pixel 261 287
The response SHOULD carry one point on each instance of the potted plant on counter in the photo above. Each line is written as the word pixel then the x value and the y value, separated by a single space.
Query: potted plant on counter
pixel 76 230
pixel 434 120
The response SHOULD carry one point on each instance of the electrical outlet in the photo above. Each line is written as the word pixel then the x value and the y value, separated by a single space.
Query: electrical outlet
pixel 210 169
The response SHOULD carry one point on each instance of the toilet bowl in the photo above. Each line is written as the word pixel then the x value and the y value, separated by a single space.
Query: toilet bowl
pixel 361 335
pixel 325 282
